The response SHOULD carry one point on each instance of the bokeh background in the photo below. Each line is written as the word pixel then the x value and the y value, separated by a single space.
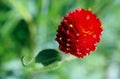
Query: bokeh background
pixel 28 26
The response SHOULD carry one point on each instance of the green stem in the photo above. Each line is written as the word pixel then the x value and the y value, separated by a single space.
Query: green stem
pixel 28 18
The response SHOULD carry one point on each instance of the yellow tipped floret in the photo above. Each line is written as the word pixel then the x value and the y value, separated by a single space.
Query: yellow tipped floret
pixel 71 25
pixel 89 9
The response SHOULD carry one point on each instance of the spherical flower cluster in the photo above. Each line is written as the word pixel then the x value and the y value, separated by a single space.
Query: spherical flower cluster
pixel 79 32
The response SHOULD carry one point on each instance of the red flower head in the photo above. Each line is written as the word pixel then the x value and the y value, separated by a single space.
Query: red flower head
pixel 79 32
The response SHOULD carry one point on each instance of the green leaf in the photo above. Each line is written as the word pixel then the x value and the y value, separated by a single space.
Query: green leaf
pixel 47 57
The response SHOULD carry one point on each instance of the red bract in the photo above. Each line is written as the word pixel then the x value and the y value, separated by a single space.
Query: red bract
pixel 79 32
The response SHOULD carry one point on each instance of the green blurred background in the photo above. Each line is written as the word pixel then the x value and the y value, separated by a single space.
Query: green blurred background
pixel 28 26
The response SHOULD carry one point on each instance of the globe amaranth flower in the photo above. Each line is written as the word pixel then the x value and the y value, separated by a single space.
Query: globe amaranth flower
pixel 79 32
